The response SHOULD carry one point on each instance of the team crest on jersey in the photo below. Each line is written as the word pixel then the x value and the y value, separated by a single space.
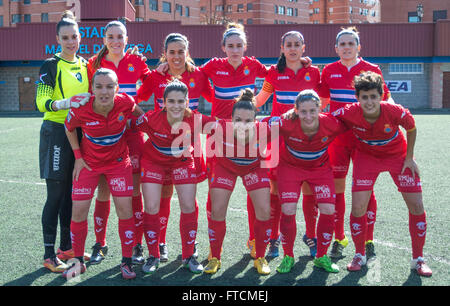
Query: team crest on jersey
pixel 324 139
pixel 192 82
pixel 307 77
pixel 130 67
pixel 120 117
pixel 387 128
pixel 246 70
pixel 79 77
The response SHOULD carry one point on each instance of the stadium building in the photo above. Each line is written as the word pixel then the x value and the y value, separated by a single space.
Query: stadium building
pixel 414 57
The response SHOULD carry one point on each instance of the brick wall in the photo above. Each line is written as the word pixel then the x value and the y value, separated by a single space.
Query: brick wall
pixel 9 85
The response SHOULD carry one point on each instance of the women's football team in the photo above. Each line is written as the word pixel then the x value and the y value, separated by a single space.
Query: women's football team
pixel 319 121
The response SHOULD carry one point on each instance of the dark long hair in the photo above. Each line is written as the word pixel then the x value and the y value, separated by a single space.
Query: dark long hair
pixel 281 63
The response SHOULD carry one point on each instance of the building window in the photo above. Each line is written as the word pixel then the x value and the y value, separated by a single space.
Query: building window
pixel 219 8
pixel 44 1
pixel 249 21
pixel 27 18
pixel 290 11
pixel 16 18
pixel 276 9
pixel 139 19
pixel 179 9
pixel 26 1
pixel 412 17
pixel 439 15
pixel 186 11
pixel 1 2
pixel 229 9
pixel 406 68
pixel 166 7
pixel 153 4
pixel 139 2
pixel 240 8
pixel 44 17
pixel 249 7
pixel 1 21
pixel 203 9
pixel 316 10
pixel 281 10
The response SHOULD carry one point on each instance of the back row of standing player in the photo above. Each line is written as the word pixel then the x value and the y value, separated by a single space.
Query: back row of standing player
pixel 230 76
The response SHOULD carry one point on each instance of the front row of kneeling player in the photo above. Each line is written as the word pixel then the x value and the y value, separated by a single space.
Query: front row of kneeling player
pixel 238 145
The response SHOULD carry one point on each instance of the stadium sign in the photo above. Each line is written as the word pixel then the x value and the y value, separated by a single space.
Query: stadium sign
pixel 396 86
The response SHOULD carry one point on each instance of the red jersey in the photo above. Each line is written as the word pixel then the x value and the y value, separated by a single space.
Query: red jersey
pixel 164 147
pixel 131 69
pixel 382 138
pixel 102 145
pixel 287 85
pixel 300 150
pixel 237 157
pixel 196 81
pixel 229 82
pixel 337 83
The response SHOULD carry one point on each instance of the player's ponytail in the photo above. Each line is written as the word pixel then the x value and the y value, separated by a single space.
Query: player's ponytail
pixel 102 53
pixel 67 19
pixel 246 100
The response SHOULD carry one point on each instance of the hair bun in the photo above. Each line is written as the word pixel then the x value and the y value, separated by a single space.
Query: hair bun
pixel 68 15
pixel 234 25
pixel 247 94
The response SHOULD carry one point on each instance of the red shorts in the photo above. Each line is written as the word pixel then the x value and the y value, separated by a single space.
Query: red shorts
pixel 119 179
pixel 320 180
pixel 366 169
pixel 224 179
pixel 166 175
pixel 135 141
pixel 200 167
pixel 340 151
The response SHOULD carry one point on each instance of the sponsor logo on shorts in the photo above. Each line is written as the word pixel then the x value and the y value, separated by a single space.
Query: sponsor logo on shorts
pixel 289 195
pixel 118 184
pixel 337 75
pixel 180 174
pixel 323 192
pixel 153 175
pixel 364 182
pixel 56 157
pixel 225 181
pixel 81 191
pixel 251 179
pixel 406 181
pixel 222 73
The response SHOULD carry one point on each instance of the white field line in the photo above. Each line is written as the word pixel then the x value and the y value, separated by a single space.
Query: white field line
pixel 18 182
pixel 383 243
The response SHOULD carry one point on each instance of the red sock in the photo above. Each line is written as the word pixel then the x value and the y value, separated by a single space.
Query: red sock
pixel 358 228
pixel 325 228
pixel 418 232
pixel 288 229
pixel 251 218
pixel 127 234
pixel 188 232
pixel 152 231
pixel 310 213
pixel 208 207
pixel 371 216
pixel 101 214
pixel 262 236
pixel 275 215
pixel 78 233
pixel 138 213
pixel 164 213
pixel 339 233
pixel 216 233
